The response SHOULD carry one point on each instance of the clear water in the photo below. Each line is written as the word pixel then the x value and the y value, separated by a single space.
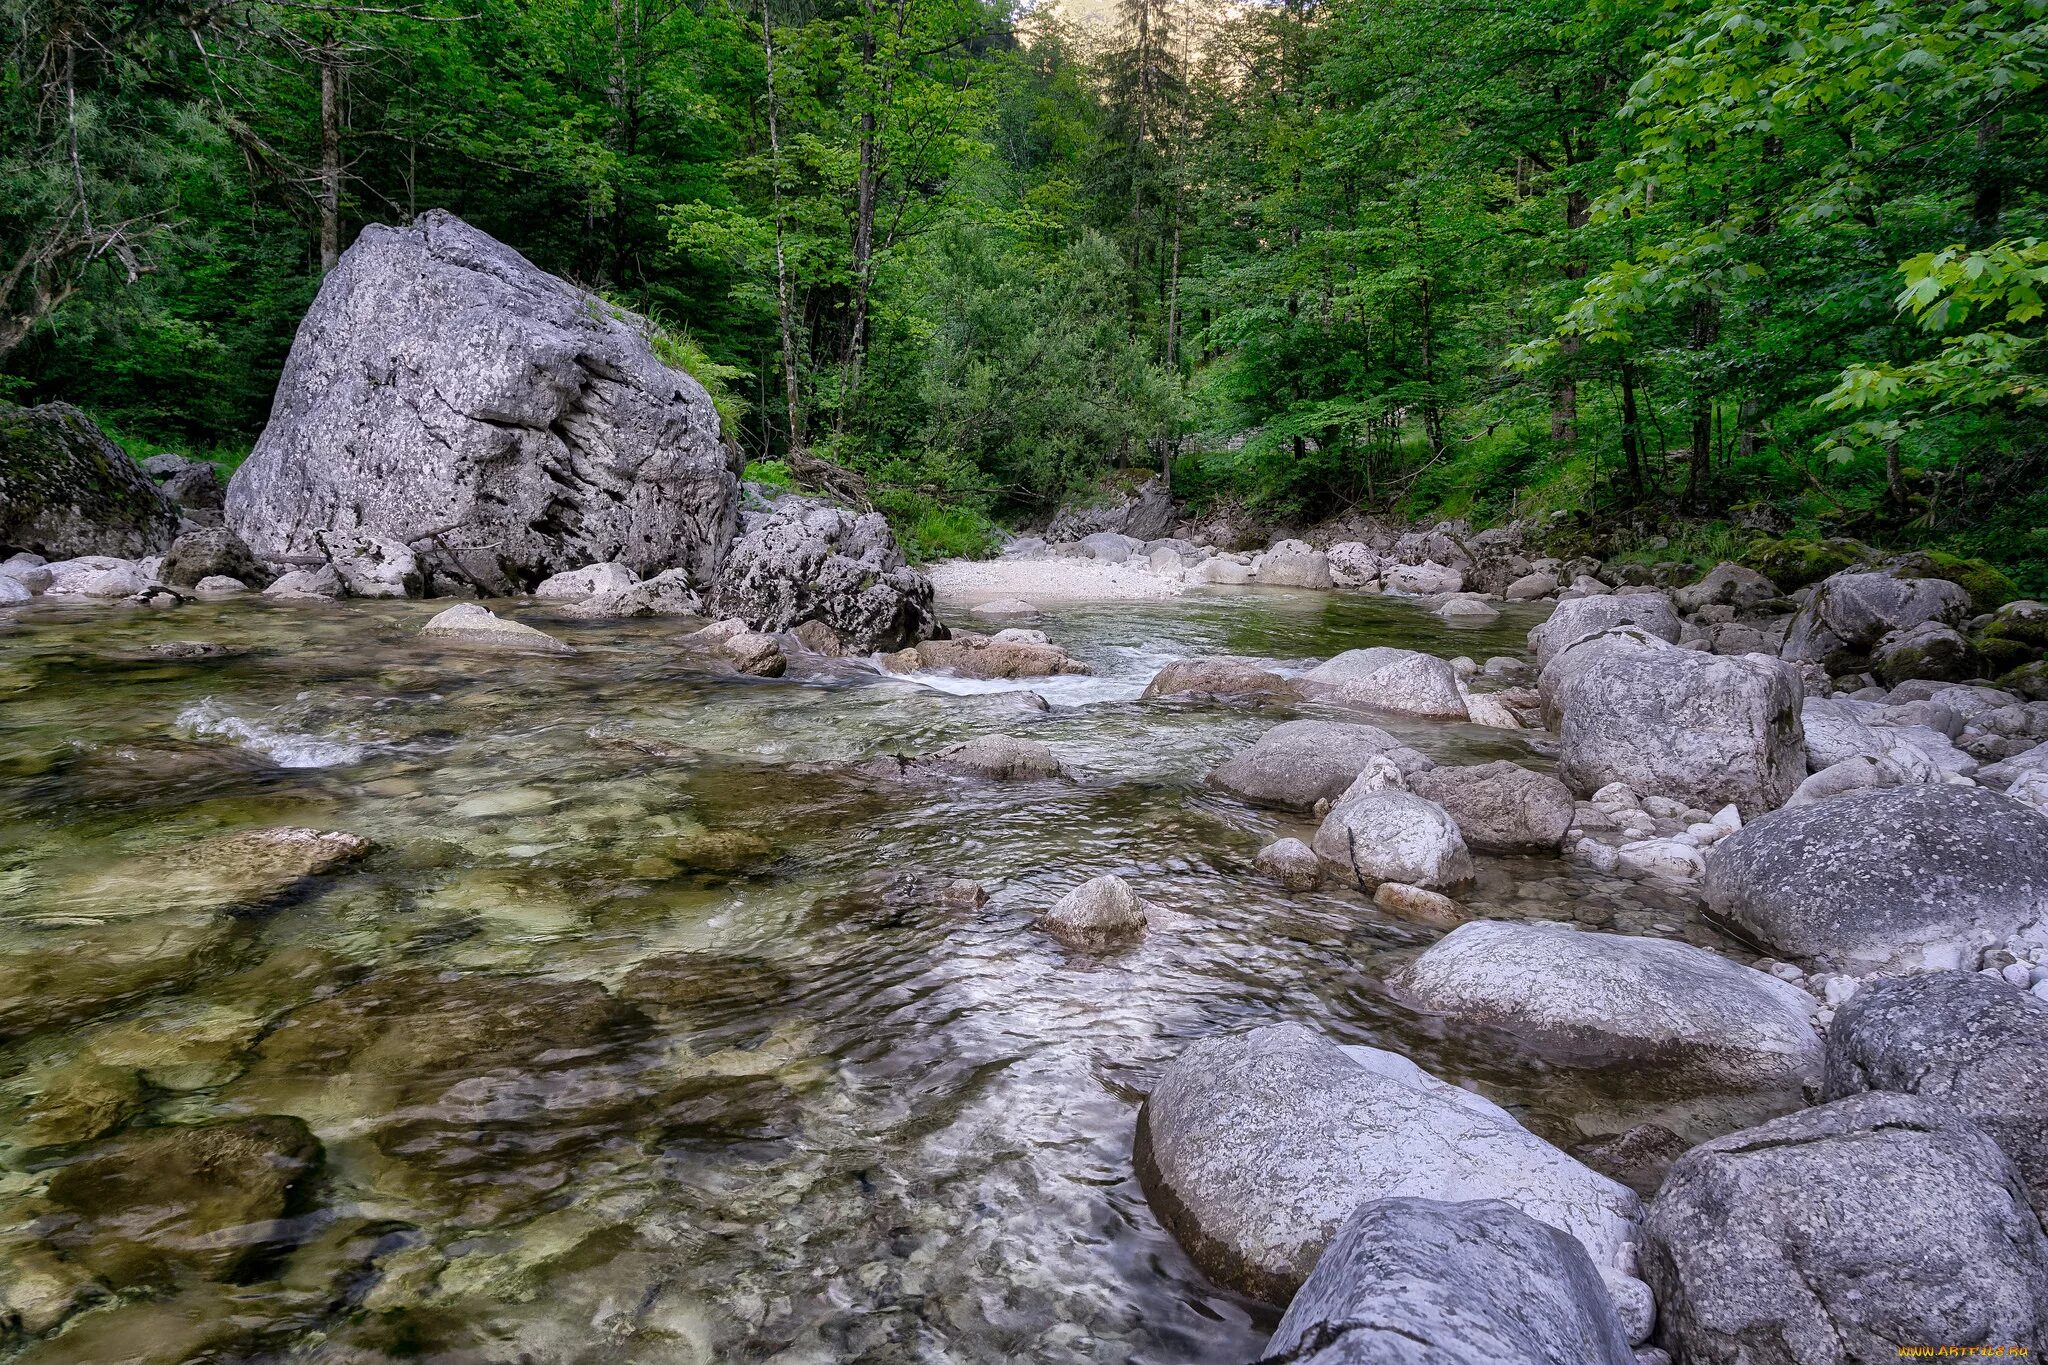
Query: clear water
pixel 834 1117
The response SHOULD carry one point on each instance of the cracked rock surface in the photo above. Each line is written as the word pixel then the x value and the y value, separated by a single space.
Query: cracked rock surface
pixel 1255 1148
pixel 506 426
pixel 1842 1233
pixel 1419 1282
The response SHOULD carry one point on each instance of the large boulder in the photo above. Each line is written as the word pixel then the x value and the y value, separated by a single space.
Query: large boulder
pixel 1403 681
pixel 210 553
pixel 1255 1148
pixel 67 491
pixel 808 561
pixel 448 394
pixel 1219 679
pixel 1423 1282
pixel 1292 564
pixel 1705 730
pixel 970 655
pixel 1849 613
pixel 1875 878
pixel 1500 807
pixel 1380 832
pixel 1145 513
pixel 1846 1234
pixel 1839 729
pixel 1972 1041
pixel 1584 617
pixel 1297 764
pixel 1687 1018
pixel 1727 584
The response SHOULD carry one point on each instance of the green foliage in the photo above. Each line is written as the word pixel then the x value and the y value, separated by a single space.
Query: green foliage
pixel 770 473
pixel 1643 264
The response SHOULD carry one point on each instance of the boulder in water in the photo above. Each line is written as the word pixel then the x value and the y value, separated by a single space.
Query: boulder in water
pixel 503 424
pixel 1500 807
pixel 1971 1041
pixel 1431 1282
pixel 468 624
pixel 1706 730
pixel 204 1199
pixel 806 560
pixel 1873 879
pixel 1380 832
pixel 1098 914
pixel 215 552
pixel 66 490
pixel 1255 1148
pixel 1219 679
pixel 1296 764
pixel 1851 1232
pixel 1402 681
pixel 1689 1018
pixel 1002 757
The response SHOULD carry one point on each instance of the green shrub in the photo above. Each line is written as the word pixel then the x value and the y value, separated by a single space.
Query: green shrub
pixel 773 473
pixel 947 533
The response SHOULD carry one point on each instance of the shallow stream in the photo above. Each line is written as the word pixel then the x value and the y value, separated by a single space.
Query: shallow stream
pixel 651 1031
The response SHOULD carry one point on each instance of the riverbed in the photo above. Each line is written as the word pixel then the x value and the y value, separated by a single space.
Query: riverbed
pixel 653 1028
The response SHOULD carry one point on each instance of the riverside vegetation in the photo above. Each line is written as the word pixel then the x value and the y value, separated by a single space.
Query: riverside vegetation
pixel 503 877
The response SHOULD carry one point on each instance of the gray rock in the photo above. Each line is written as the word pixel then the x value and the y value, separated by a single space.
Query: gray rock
pixel 67 491
pixel 1837 729
pixel 1584 617
pixel 1291 863
pixel 1402 681
pixel 1568 663
pixel 1850 612
pixel 1842 1234
pixel 213 553
pixel 668 593
pixel 1729 584
pixel 1098 914
pixel 1147 513
pixel 1109 547
pixel 13 591
pixel 1421 580
pixel 322 582
pixel 1215 679
pixel 1292 564
pixel 1530 587
pixel 1850 775
pixel 1500 807
pixel 372 565
pixel 1928 650
pixel 1002 757
pixel 192 485
pixel 1353 564
pixel 1424 1282
pixel 1296 764
pixel 1707 730
pixel 503 424
pixel 95 577
pixel 591 581
pixel 809 561
pixel 1464 609
pixel 468 624
pixel 219 585
pixel 1379 832
pixel 1872 878
pixel 1965 1039
pixel 1255 1148
pixel 1690 1019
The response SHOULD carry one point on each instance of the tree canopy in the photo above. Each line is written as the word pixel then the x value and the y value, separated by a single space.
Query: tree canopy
pixel 1768 264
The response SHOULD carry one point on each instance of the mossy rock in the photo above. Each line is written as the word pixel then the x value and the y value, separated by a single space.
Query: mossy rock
pixel 2029 680
pixel 66 490
pixel 1794 563
pixel 1988 587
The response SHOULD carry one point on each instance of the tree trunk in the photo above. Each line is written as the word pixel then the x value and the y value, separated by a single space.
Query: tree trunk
pixel 1432 406
pixel 1631 432
pixel 1706 327
pixel 1564 401
pixel 790 388
pixel 330 153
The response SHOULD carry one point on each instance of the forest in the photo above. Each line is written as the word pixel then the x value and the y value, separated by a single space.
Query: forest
pixel 1705 270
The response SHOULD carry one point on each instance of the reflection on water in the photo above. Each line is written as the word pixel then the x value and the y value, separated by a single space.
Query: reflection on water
pixel 649 1030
